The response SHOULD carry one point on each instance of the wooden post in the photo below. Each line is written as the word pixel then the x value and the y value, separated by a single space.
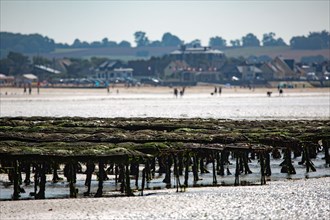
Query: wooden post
pixel 42 186
pixel 222 163
pixel 90 167
pixel 262 168
pixel 246 164
pixel 195 168
pixel 326 151
pixel 27 173
pixel 36 179
pixel 218 161
pixel 186 170
pixel 287 166
pixel 176 173
pixel 56 178
pixel 309 163
pixel 148 172
pixel 122 178
pixel 268 169
pixel 137 176
pixel 99 192
pixel 214 169
pixel 143 180
pixel 16 180
pixel 167 178
pixel 72 176
pixel 128 182
pixel 237 170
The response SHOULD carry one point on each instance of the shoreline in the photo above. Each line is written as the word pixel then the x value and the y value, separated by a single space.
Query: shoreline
pixel 287 199
pixel 207 90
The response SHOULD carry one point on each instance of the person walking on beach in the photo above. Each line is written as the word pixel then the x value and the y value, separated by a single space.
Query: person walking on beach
pixel 30 88
pixel 220 90
pixel 176 92
pixel 38 87
pixel 182 91
pixel 280 92
pixel 24 89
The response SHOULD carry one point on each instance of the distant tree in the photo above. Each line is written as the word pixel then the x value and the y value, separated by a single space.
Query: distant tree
pixel 32 43
pixel 194 43
pixel 105 42
pixel 217 42
pixel 235 43
pixel 141 39
pixel 270 40
pixel 313 59
pixel 280 42
pixel 76 44
pixel 62 46
pixel 314 41
pixel 170 40
pixel 96 61
pixel 124 44
pixel 156 43
pixel 39 60
pixel 96 44
pixel 250 40
pixel 15 64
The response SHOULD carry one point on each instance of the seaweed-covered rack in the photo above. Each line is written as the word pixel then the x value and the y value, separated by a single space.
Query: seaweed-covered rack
pixel 171 146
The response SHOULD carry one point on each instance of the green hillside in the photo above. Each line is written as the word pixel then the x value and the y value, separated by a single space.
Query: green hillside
pixel 126 54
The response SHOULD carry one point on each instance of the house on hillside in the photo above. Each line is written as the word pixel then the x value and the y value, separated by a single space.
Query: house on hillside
pixel 209 76
pixel 250 73
pixel 113 71
pixel 6 80
pixel 44 72
pixel 199 57
pixel 175 70
pixel 230 71
pixel 279 69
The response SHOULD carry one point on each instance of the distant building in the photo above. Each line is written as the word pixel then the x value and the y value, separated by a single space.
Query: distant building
pixel 280 69
pixel 111 71
pixel 6 80
pixel 250 73
pixel 199 57
pixel 44 72
pixel 174 70
pixel 230 71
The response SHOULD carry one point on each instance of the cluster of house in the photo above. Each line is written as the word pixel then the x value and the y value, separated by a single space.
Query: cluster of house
pixel 40 72
pixel 189 66
pixel 193 65
pixel 219 71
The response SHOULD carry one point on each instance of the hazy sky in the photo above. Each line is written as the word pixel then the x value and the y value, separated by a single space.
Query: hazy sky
pixel 89 21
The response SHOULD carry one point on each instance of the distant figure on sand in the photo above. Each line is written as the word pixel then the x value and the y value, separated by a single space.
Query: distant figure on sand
pixel 24 88
pixel 30 88
pixel 182 91
pixel 269 93
pixel 220 90
pixel 175 92
pixel 281 92
pixel 38 87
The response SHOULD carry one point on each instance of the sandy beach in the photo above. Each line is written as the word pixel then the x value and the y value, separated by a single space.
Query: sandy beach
pixel 283 199
pixel 7 92
pixel 287 199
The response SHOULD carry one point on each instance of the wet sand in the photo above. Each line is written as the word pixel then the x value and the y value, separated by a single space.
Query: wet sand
pixel 18 92
pixel 287 199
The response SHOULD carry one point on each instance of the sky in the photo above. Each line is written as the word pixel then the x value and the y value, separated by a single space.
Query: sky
pixel 65 21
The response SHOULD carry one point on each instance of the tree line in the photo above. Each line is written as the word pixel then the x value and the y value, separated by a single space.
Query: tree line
pixel 36 43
